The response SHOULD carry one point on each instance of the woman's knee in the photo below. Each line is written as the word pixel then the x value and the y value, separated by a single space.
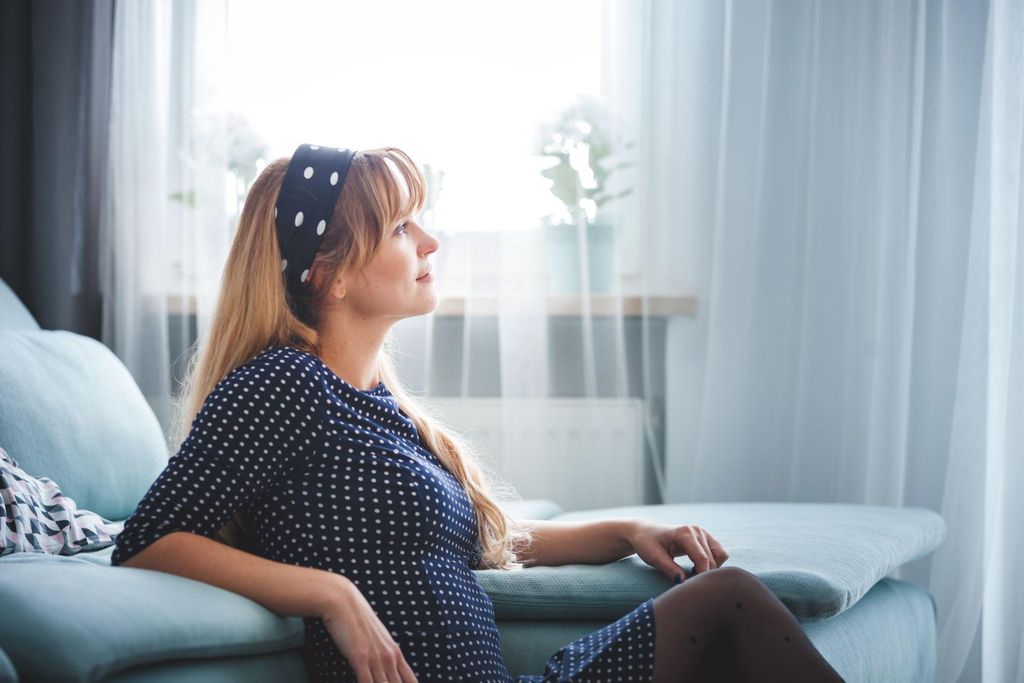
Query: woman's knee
pixel 709 589
pixel 735 573
pixel 730 579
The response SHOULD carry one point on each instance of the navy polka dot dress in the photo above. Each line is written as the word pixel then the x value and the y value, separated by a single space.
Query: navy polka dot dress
pixel 334 477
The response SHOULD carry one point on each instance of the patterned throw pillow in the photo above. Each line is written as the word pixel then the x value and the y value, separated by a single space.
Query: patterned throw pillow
pixel 38 518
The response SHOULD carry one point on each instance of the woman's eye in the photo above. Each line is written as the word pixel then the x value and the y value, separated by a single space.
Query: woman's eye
pixel 401 228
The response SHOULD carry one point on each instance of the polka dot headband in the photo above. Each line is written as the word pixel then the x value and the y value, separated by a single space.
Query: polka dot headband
pixel 305 204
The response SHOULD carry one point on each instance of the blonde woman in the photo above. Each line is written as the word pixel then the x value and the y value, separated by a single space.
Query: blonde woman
pixel 309 480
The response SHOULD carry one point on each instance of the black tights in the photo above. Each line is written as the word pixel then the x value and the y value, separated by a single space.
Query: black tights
pixel 725 625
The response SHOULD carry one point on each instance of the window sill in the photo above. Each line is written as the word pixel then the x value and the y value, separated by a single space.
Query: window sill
pixel 607 305
pixel 573 304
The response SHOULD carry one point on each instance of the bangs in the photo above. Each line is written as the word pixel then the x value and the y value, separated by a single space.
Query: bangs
pixel 386 188
pixel 406 187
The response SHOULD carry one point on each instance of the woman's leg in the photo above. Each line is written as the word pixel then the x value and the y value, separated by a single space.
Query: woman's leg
pixel 725 625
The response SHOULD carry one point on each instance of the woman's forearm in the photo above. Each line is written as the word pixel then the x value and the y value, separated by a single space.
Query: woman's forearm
pixel 285 589
pixel 597 542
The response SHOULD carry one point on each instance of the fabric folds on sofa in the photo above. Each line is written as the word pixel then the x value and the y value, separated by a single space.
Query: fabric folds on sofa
pixel 37 517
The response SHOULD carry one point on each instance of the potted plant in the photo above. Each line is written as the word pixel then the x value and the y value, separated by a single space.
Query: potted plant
pixel 578 144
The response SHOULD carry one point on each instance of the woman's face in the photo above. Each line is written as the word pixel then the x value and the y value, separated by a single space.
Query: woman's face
pixel 387 287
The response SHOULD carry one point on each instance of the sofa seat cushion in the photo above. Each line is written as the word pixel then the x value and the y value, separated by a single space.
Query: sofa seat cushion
pixel 69 619
pixel 818 558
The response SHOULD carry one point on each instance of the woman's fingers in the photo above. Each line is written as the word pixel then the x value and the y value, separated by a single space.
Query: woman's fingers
pixel 712 562
pixel 695 549
pixel 392 673
pixel 385 670
pixel 395 668
pixel 717 550
pixel 363 673
pixel 385 667
pixel 407 675
pixel 703 548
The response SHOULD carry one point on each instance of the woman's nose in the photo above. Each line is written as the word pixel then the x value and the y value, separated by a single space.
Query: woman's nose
pixel 431 244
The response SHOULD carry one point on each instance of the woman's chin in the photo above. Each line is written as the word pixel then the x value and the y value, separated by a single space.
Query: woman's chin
pixel 429 302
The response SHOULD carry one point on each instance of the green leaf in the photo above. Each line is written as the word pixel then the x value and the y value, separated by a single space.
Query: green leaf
pixel 186 198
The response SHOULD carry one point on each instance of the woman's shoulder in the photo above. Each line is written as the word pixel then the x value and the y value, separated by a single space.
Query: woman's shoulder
pixel 277 374
pixel 285 361
pixel 274 398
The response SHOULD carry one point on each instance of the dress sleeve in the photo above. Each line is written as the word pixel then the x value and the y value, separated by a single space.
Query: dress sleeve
pixel 258 423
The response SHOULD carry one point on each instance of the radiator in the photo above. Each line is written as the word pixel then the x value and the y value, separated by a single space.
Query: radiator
pixel 580 453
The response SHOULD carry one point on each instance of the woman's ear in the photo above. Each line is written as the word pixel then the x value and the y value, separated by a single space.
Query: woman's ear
pixel 338 288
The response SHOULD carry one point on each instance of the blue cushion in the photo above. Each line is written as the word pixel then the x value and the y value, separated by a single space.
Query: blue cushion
pixel 8 674
pixel 532 508
pixel 65 618
pixel 13 314
pixel 891 634
pixel 818 558
pixel 71 411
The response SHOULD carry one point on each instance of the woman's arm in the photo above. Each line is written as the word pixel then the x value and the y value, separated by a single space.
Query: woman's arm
pixel 231 458
pixel 597 542
pixel 288 590
pixel 285 589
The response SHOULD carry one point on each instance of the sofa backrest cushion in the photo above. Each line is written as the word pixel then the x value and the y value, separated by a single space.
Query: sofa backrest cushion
pixel 13 314
pixel 8 674
pixel 71 411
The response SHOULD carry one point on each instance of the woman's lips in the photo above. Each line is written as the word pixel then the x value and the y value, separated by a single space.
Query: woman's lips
pixel 427 277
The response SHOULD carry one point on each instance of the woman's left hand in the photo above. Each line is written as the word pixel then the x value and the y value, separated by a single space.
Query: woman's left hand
pixel 659 544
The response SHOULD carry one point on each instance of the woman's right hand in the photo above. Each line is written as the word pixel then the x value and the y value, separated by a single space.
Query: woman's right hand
pixel 364 641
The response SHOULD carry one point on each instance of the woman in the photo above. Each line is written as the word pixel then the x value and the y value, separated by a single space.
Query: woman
pixel 338 498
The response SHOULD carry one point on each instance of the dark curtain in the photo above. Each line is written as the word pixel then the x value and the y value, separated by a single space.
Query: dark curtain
pixel 54 105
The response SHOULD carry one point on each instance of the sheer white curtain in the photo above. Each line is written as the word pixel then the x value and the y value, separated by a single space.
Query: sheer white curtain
pixel 546 349
pixel 530 313
pixel 985 472
pixel 846 180
pixel 166 216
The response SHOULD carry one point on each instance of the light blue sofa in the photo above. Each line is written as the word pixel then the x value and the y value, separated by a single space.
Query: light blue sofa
pixel 69 410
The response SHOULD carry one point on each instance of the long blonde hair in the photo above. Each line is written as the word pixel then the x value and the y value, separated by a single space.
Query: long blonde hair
pixel 253 313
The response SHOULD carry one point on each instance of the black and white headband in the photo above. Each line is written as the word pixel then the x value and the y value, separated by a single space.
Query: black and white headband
pixel 305 204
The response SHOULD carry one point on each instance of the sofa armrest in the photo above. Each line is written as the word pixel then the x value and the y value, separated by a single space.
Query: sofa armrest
pixel 66 618
pixel 819 559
